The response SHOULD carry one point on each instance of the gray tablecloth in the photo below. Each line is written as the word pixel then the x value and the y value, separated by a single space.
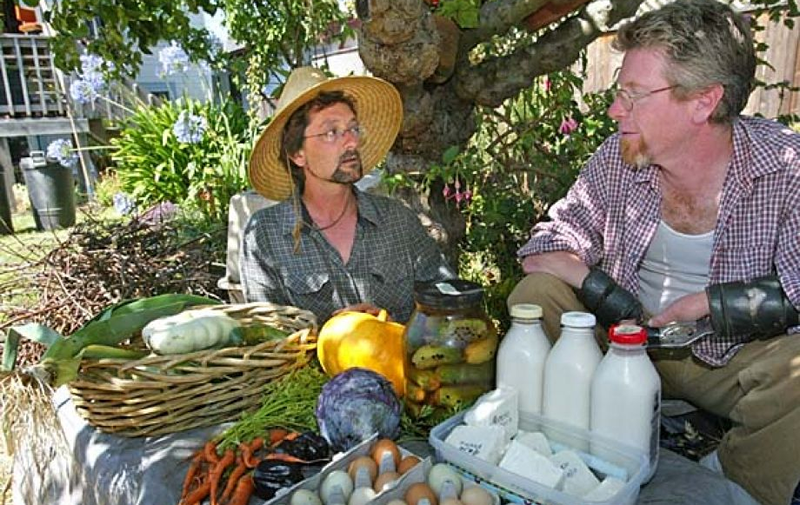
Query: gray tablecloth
pixel 111 470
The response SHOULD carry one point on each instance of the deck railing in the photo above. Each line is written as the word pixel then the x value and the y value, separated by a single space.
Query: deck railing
pixel 31 86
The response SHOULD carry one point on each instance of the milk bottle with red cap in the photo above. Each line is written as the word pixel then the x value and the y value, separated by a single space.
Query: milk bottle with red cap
pixel 520 360
pixel 626 394
pixel 568 373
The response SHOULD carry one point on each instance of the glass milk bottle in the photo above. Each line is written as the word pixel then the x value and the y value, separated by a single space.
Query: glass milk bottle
pixel 626 394
pixel 520 360
pixel 568 374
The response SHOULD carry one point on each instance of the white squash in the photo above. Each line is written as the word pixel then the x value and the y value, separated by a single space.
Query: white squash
pixel 189 331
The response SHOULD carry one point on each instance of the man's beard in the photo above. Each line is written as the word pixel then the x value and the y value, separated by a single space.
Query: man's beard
pixel 352 174
pixel 635 152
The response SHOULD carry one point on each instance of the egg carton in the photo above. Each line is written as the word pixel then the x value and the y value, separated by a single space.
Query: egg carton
pixel 341 461
pixel 620 461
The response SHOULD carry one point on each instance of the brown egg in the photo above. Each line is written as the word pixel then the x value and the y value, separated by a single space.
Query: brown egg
pixel 407 463
pixel 385 445
pixel 476 495
pixel 451 501
pixel 385 479
pixel 363 461
pixel 418 491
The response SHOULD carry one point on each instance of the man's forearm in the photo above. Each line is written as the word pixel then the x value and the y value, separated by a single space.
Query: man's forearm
pixel 565 265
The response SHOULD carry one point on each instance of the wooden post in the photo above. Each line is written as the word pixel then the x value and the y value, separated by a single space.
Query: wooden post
pixel 7 167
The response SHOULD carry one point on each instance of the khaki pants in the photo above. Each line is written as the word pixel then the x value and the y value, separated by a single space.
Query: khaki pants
pixel 758 390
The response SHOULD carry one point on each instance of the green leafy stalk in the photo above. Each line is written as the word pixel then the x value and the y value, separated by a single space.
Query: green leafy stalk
pixel 289 402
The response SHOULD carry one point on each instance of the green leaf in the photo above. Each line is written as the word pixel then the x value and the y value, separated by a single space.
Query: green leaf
pixel 450 154
pixel 34 332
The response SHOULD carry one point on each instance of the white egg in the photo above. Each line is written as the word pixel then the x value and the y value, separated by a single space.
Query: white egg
pixel 305 497
pixel 476 495
pixel 336 487
pixel 441 473
pixel 361 496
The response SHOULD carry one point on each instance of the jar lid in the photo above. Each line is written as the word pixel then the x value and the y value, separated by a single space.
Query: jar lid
pixel 450 294
pixel 578 319
pixel 627 334
pixel 526 311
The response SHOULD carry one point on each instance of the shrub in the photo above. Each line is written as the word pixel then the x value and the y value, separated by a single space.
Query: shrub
pixel 190 153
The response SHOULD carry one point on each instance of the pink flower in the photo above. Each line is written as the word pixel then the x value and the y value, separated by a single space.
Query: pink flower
pixel 457 185
pixel 467 195
pixel 547 84
pixel 568 126
pixel 446 192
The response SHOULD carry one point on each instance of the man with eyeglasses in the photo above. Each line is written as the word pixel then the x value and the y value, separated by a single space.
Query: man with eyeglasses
pixel 328 246
pixel 691 211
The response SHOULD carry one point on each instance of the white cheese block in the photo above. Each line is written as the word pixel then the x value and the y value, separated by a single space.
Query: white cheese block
pixel 578 479
pixel 484 442
pixel 499 407
pixel 524 461
pixel 606 490
pixel 536 440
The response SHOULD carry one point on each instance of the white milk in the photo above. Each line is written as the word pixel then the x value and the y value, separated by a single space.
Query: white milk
pixel 626 395
pixel 568 374
pixel 520 360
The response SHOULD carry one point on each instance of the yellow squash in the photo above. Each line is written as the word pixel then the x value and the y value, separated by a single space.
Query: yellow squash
pixel 358 339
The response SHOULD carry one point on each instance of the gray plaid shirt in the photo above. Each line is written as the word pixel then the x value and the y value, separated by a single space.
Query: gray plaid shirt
pixel 391 252
pixel 611 213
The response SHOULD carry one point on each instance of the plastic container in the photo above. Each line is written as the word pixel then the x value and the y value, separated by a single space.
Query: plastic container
pixel 450 346
pixel 569 369
pixel 522 355
pixel 51 191
pixel 626 394
pixel 622 462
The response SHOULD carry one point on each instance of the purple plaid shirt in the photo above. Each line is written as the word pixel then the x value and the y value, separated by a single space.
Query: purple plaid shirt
pixel 611 213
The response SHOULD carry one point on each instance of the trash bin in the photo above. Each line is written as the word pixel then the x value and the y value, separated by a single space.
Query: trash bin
pixel 6 226
pixel 51 192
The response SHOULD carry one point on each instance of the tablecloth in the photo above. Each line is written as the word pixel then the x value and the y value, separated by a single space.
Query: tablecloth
pixel 106 469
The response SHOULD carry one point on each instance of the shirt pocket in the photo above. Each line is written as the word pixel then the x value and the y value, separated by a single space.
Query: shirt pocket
pixel 738 260
pixel 391 287
pixel 309 290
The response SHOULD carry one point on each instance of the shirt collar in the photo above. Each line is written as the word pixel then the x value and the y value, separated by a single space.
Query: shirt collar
pixel 366 211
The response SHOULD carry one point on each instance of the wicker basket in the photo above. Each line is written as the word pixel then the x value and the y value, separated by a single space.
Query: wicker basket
pixel 156 395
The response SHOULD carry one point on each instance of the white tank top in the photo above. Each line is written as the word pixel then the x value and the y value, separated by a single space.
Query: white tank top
pixel 675 265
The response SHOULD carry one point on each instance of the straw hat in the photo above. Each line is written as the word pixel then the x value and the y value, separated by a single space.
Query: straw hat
pixel 379 110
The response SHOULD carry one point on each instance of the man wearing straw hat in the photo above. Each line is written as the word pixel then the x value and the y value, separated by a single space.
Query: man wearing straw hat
pixel 328 246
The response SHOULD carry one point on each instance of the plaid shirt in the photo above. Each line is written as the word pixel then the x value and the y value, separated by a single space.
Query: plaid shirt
pixel 391 252
pixel 611 213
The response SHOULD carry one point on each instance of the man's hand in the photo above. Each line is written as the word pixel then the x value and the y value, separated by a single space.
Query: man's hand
pixel 361 307
pixel 566 266
pixel 686 308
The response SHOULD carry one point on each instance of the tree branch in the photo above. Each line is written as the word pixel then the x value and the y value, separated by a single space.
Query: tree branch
pixel 497 18
pixel 492 81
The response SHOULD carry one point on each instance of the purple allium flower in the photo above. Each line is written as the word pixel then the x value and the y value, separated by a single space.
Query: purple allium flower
pixel 123 203
pixel 173 59
pixel 61 151
pixel 568 126
pixel 188 128
pixel 83 91
pixel 91 63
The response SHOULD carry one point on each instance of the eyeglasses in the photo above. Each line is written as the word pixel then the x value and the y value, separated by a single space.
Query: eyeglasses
pixel 628 99
pixel 337 134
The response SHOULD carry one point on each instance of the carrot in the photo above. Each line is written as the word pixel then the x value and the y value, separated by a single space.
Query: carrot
pixel 210 451
pixel 233 478
pixel 215 475
pixel 247 451
pixel 244 489
pixel 280 456
pixel 197 496
pixel 194 468
pixel 276 435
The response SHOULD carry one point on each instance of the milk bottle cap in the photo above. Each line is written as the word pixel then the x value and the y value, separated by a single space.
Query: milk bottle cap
pixel 578 319
pixel 627 334
pixel 526 311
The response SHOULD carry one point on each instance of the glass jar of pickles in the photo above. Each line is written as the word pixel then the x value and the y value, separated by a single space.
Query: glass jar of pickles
pixel 450 346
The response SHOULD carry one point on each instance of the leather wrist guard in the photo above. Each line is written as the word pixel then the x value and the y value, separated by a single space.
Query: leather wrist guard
pixel 607 300
pixel 758 308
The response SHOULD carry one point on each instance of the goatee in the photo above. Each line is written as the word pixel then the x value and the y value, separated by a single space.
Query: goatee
pixel 635 153
pixel 351 174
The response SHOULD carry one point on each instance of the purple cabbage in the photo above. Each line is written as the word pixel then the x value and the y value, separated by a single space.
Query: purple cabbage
pixel 355 404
